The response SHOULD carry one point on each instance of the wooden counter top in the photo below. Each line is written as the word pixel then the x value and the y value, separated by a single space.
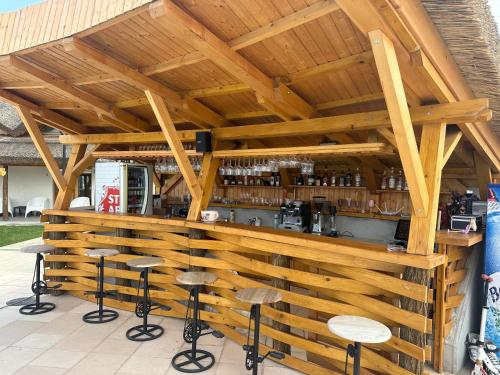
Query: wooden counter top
pixel 458 239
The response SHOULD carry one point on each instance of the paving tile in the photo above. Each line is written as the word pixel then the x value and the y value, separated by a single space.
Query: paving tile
pixel 58 358
pixel 232 353
pixel 44 318
pixel 38 370
pixel 98 363
pixel 64 325
pixel 233 369
pixel 138 365
pixel 38 340
pixel 16 330
pixel 13 359
pixel 117 346
pixel 165 346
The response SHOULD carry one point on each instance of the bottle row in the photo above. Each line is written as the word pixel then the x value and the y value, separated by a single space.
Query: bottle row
pixel 341 179
pixel 394 181
pixel 273 180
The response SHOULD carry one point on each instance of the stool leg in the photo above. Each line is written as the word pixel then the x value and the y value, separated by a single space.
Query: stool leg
pixel 39 258
pixel 256 334
pixel 357 358
pixel 145 299
pixel 101 285
pixel 194 325
pixel 37 307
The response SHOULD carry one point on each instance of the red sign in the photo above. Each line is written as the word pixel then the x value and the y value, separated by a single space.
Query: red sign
pixel 110 200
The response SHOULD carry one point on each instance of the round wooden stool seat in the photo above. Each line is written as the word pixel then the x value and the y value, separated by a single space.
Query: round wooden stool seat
pixel 37 249
pixel 258 296
pixel 196 278
pixel 145 262
pixel 97 253
pixel 359 329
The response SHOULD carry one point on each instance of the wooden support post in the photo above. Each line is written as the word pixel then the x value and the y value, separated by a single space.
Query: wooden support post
pixel 392 85
pixel 53 219
pixel 439 313
pixel 126 233
pixel 423 229
pixel 70 176
pixel 451 141
pixel 5 195
pixel 41 146
pixel 281 261
pixel 484 175
pixel 167 126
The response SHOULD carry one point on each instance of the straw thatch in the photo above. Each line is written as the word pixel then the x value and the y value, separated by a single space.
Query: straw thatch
pixel 22 151
pixel 10 123
pixel 469 30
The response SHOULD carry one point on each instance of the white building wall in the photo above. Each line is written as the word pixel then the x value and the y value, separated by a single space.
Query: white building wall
pixel 28 182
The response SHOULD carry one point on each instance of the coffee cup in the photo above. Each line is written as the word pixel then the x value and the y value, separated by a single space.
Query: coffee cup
pixel 209 216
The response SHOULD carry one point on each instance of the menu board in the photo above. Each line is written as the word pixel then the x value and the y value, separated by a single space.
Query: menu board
pixel 107 187
pixel 492 263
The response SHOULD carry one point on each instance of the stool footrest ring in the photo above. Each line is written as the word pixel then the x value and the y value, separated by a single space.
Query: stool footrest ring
pixel 34 309
pixel 184 361
pixel 95 317
pixel 146 332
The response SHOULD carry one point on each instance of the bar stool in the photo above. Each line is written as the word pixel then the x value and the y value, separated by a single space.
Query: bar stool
pixel 193 327
pixel 257 297
pixel 38 287
pixel 101 315
pixel 359 330
pixel 145 331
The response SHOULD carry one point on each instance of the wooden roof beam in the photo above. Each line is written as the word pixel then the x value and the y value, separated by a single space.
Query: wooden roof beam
pixel 191 109
pixel 45 116
pixel 450 143
pixel 392 85
pixel 167 126
pixel 61 86
pixel 41 146
pixel 282 100
pixel 448 113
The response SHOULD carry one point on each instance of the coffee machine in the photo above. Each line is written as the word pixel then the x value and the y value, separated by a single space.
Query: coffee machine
pixel 295 216
pixel 321 216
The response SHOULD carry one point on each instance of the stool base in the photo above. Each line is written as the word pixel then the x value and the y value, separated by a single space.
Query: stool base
pixel 146 332
pixel 96 317
pixel 190 364
pixel 36 309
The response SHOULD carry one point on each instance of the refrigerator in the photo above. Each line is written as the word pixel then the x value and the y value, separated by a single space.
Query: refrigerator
pixel 123 188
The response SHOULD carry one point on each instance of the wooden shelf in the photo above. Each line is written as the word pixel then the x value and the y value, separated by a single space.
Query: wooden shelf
pixel 458 239
pixel 250 186
pixel 248 206
pixel 328 187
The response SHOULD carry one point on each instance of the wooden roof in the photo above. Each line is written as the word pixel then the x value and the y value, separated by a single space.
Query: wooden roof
pixel 83 66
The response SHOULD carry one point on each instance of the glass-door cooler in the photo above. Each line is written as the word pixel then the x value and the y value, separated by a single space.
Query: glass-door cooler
pixel 124 187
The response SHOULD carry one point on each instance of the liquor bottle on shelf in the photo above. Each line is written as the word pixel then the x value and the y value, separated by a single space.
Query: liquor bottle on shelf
pixel 317 181
pixel 251 181
pixel 392 180
pixel 226 180
pixel 272 179
pixel 383 183
pixel 399 182
pixel 341 179
pixel 258 182
pixel 333 180
pixel 277 179
pixel 405 187
pixel 245 180
pixel 325 180
pixel 233 181
pixel 357 178
pixel 310 180
pixel 239 181
pixel 348 178
pixel 300 180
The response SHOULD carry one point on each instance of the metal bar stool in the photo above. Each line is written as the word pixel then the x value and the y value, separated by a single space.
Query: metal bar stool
pixel 359 330
pixel 38 286
pixel 101 315
pixel 145 331
pixel 257 296
pixel 194 327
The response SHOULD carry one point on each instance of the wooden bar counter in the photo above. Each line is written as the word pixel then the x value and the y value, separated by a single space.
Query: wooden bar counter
pixel 350 277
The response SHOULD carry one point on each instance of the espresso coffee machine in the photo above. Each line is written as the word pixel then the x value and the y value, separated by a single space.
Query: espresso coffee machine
pixel 295 216
pixel 321 216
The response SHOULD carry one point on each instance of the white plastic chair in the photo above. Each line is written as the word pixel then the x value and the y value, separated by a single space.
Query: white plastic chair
pixel 80 202
pixel 37 204
pixel 9 206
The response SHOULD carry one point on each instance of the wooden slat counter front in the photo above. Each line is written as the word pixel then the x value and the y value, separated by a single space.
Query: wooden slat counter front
pixel 457 247
pixel 349 278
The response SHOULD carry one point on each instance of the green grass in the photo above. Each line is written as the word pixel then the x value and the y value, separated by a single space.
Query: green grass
pixel 10 234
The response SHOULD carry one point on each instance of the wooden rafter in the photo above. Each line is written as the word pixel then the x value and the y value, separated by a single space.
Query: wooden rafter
pixel 451 141
pixel 484 175
pixel 167 126
pixel 190 108
pixel 172 182
pixel 281 100
pixel 46 116
pixel 60 85
pixel 392 85
pixel 41 146
pixel 64 196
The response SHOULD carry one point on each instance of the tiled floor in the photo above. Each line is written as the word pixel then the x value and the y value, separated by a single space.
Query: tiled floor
pixel 59 342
